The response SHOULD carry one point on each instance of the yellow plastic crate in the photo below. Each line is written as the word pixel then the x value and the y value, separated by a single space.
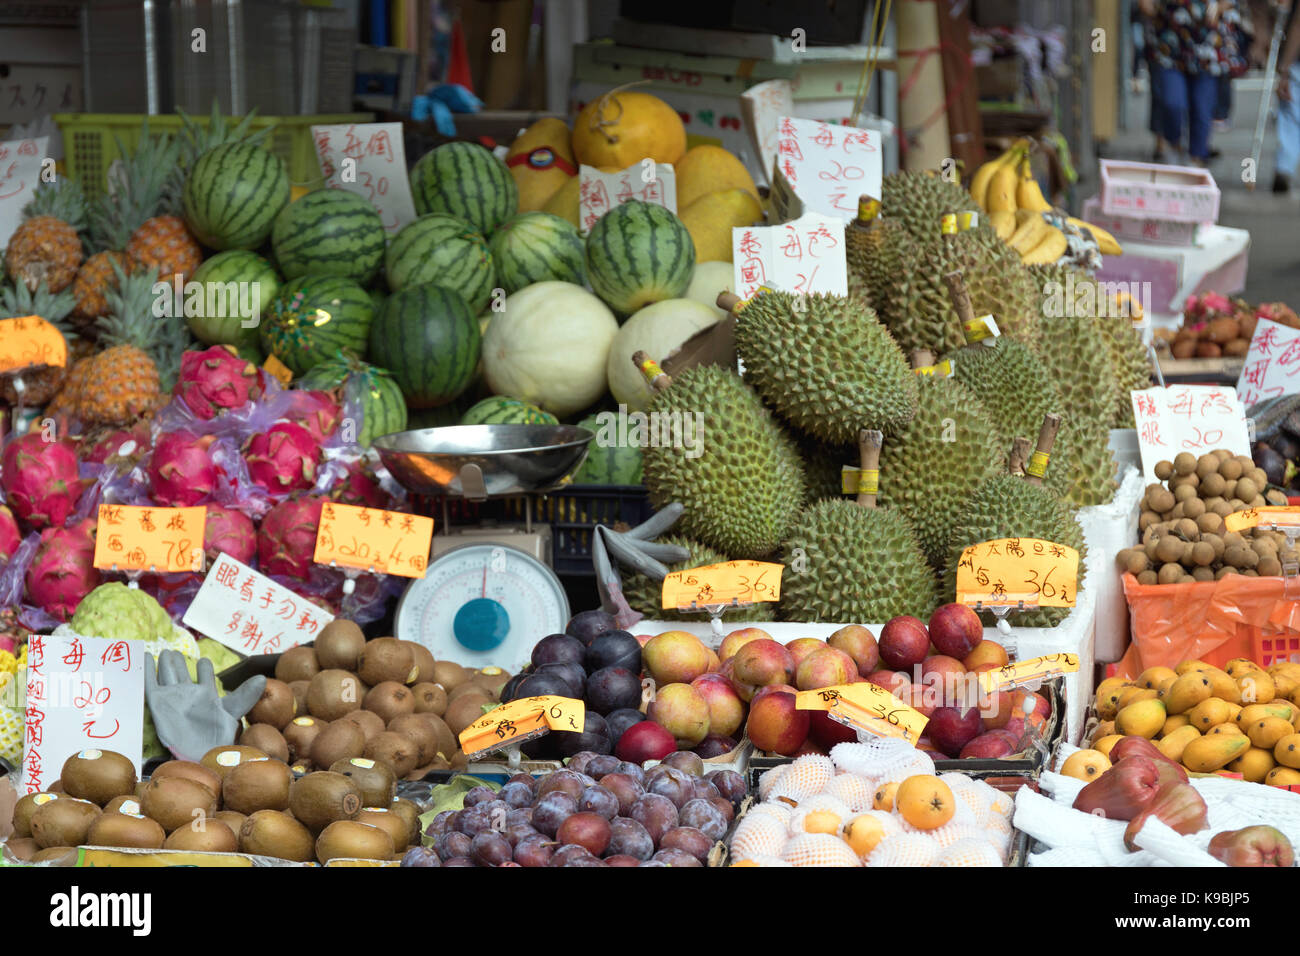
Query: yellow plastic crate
pixel 90 142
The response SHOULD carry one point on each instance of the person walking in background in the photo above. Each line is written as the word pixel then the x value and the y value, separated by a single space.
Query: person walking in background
pixel 1288 105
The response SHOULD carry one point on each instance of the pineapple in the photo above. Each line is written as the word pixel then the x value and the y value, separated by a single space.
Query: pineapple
pixel 198 139
pixel 34 386
pixel 164 247
pixel 94 278
pixel 46 246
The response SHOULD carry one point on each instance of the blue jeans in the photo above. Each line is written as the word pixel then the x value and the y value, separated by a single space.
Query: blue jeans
pixel 1190 95
pixel 1288 127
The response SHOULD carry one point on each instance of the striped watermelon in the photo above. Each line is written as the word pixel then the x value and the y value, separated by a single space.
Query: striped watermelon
pixel 429 339
pixel 465 181
pixel 233 194
pixel 230 279
pixel 329 232
pixel 639 253
pixel 537 247
pixel 312 318
pixel 444 416
pixel 446 252
pixel 383 408
pixel 607 462
pixel 502 410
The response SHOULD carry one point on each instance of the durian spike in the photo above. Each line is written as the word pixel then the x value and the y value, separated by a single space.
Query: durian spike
pixel 960 297
pixel 922 358
pixel 1037 466
pixel 658 379
pixel 728 301
pixel 1019 456
pixel 869 442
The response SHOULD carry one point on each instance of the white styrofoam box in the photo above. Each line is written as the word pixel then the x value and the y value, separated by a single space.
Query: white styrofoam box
pixel 1141 228
pixel 1181 193
pixel 1109 529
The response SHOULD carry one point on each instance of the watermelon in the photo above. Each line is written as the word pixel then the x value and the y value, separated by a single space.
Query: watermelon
pixel 329 232
pixel 232 195
pixel 428 337
pixel 639 253
pixel 502 410
pixel 231 280
pixel 312 318
pixel 465 181
pixel 446 252
pixel 537 247
pixel 376 392
pixel 608 462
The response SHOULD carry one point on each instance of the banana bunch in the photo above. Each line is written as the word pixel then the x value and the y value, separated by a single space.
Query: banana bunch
pixel 1005 188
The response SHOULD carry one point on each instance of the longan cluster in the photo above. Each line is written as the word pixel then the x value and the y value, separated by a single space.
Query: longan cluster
pixel 1183 533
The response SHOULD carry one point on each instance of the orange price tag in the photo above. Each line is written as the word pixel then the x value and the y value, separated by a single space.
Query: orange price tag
pixel 278 370
pixel 1024 672
pixel 387 542
pixel 522 720
pixel 31 340
pixel 130 538
pixel 1281 516
pixel 744 582
pixel 865 707
pixel 1009 570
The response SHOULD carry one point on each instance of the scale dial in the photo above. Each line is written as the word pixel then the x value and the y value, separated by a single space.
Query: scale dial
pixel 481 605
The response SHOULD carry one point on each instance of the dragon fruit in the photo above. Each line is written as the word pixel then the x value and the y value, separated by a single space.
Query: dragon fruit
pixel 360 487
pixel 63 569
pixel 216 379
pixel 283 458
pixel 122 448
pixel 318 412
pixel 286 540
pixel 40 479
pixel 181 473
pixel 10 536
pixel 229 531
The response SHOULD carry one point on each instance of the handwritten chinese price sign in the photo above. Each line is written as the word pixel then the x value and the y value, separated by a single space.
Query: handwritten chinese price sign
pixel 20 174
pixel 1191 418
pixel 806 256
pixel 522 720
pixel 1272 366
pixel 865 707
pixel 31 340
pixel 1280 516
pixel 1026 672
pixel 763 105
pixel 84 694
pixel 824 168
pixel 599 192
pixel 368 159
pixel 250 613
pixel 745 582
pixel 389 542
pixel 1007 570
pixel 131 538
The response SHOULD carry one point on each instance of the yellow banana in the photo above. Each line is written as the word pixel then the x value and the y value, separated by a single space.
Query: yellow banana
pixel 1029 233
pixel 1107 243
pixel 1047 251
pixel 1028 194
pixel 1001 195
pixel 979 184
pixel 1003 223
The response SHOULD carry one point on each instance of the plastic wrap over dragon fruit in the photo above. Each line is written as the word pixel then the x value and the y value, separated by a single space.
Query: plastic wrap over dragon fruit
pixel 239 424
pixel 13 575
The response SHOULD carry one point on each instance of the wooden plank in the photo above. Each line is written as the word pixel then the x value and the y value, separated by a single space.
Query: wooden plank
pixel 965 132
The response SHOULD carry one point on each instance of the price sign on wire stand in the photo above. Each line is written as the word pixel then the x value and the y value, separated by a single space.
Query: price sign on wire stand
pixel 368 159
pixel 1034 670
pixel 735 582
pixel 1011 571
pixel 385 542
pixel 1187 418
pixel 30 340
pixel 520 720
pixel 867 708
pixel 131 538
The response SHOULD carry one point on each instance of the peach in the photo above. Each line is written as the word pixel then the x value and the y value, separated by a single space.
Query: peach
pixel 763 661
pixel 951 729
pixel 675 657
pixel 956 630
pixel 1041 705
pixel 904 643
pixel 919 697
pixel 827 732
pixel 997 709
pixel 714 661
pixel 682 711
pixel 892 681
pixel 986 654
pixel 992 743
pixel 801 647
pixel 772 689
pixel 945 674
pixel 860 644
pixel 827 667
pixel 738 639
pixel 776 725
pixel 726 709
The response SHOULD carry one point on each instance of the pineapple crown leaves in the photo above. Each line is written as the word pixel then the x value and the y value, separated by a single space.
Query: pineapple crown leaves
pixel 131 321
pixel 63 199
pixel 198 139
pixel 147 184
pixel 17 301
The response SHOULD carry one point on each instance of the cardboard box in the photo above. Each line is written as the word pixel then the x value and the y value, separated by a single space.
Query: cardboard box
pixel 1179 193
pixel 1142 229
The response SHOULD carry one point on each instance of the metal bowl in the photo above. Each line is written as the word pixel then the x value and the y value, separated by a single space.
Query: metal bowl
pixel 483 461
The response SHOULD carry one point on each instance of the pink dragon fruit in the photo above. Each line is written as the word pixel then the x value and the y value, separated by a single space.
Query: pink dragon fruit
pixel 10 536
pixel 181 473
pixel 63 569
pixel 318 412
pixel 360 487
pixel 216 379
pixel 122 448
pixel 286 540
pixel 229 531
pixel 40 479
pixel 283 458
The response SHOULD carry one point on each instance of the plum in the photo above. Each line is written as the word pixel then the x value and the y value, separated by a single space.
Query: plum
pixel 671 783
pixel 629 838
pixel 594 737
pixel 578 762
pixel 474 821
pixel 479 795
pixel 517 795
pixel 520 815
pixel 730 784
pixel 622 860
pixel 439 823
pixel 671 857
pixel 613 688
pixel 515 832
pixel 490 849
pixel 534 851
pixel 689 840
pixel 624 788
pixel 557 649
pixel 571 673
pixel 590 830
pixel 586 626
pixel 652 863
pixel 601 764
pixel 459 861
pixel 566 780
pixel 570 851
pixel 613 649
pixel 715 745
pixel 538 684
pixel 448 846
pixel 725 808
pixel 656 813
pixel 705 817
pixel 620 720
pixel 686 762
pixel 498 811
pixel 421 856
pixel 552 810
pixel 596 799
pixel 703 789
pixel 510 689
pixel 632 770
pixel 525 778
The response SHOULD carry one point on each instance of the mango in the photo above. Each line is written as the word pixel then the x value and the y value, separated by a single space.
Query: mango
pixel 1108 693
pixel 1232 730
pixel 1267 732
pixel 1287 751
pixel 1131 695
pixel 1283 777
pixel 1256 687
pixel 1189 690
pixel 711 217
pixel 1173 745
pixel 1239 666
pixel 1153 677
pixel 541 161
pixel 1085 765
pixel 1188 666
pixel 1103 729
pixel 1254 764
pixel 1222 685
pixel 1173 722
pixel 1103 745
pixel 1254 712
pixel 1212 752
pixel 1210 713
pixel 1142 719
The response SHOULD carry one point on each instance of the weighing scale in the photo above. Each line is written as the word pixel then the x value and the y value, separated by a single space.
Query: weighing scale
pixel 489 593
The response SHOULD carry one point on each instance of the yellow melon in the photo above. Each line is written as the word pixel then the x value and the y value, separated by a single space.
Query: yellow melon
pixel 541 161
pixel 710 169
pixel 711 218
pixel 565 201
pixel 622 128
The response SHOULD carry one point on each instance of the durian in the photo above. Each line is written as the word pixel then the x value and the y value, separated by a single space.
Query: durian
pixel 645 594
pixel 1072 344
pixel 919 201
pixel 825 364
pixel 728 460
pixel 1129 359
pixel 823 467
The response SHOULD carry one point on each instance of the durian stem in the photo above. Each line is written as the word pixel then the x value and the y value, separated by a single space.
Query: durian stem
pixel 921 358
pixel 1019 456
pixel 658 379
pixel 869 442
pixel 960 297
pixel 727 301
pixel 1046 439
pixel 868 211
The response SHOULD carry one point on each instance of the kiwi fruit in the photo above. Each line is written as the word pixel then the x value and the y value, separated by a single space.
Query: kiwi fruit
pixel 430 698
pixel 420 732
pixel 126 830
pixel 374 778
pixel 410 813
pixel 424 662
pixel 470 688
pixel 386 659
pixel 189 769
pixel 63 822
pixel 257 785
pixel 232 819
pixel 341 740
pixel 19 848
pixel 300 734
pixel 98 776
pixel 384 818
pixel 24 809
pixel 299 688
pixel 419 773
pixel 1163 470
pixel 449 674
pixel 323 797
pixel 276 834
pixel 447 743
pixel 349 840
pixel 396 750
pixel 267 739
pixel 334 693
pixel 369 722
pixel 466 709
pixel 222 760
pixel 389 699
pixel 491 679
pixel 275 706
pixel 215 836
pixel 297 663
pixel 124 804
pixel 177 801
pixel 458 760
pixel 338 645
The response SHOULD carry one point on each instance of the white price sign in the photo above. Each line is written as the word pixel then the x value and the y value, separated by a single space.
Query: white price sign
pixel 806 256
pixel 1188 418
pixel 1272 366
pixel 599 192
pixel 823 168
pixel 20 174
pixel 368 159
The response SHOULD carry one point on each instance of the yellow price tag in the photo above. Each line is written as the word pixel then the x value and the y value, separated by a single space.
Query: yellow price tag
pixel 278 370
pixel 967 220
pixel 651 370
pixel 977 330
pixel 948 224
pixel 389 542
pixel 1008 570
pixel 744 582
pixel 855 481
pixel 30 340
pixel 130 538
pixel 942 370
pixel 1023 672
pixel 1282 516
pixel 866 707
pixel 1037 466
pixel 521 720
pixel 868 208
